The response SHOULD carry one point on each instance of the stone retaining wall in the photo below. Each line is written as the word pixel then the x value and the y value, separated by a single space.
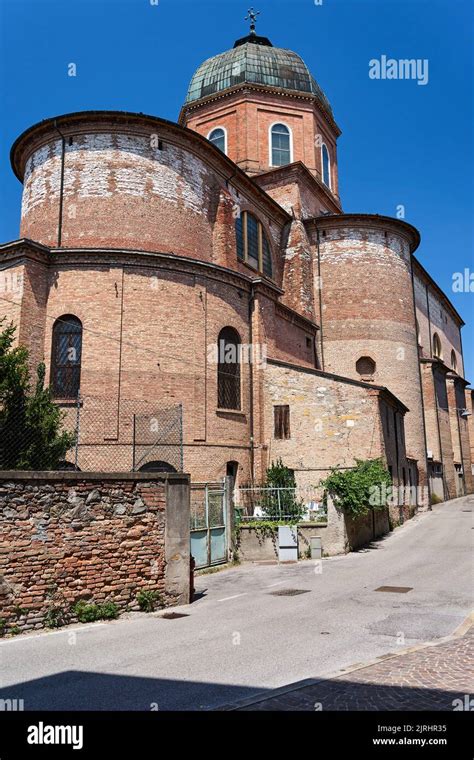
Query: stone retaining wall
pixel 67 536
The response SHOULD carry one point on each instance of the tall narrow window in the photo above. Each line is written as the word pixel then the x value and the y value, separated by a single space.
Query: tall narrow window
pixel 218 138
pixel 454 361
pixel 437 346
pixel 252 243
pixel 228 369
pixel 326 164
pixel 281 421
pixel 280 145
pixel 66 357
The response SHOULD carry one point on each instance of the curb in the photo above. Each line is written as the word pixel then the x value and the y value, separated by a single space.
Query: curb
pixel 458 632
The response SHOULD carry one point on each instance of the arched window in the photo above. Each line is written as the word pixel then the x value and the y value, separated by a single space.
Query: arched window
pixel 326 165
pixel 436 346
pixel 365 367
pixel 280 145
pixel 252 243
pixel 66 357
pixel 228 369
pixel 454 361
pixel 218 138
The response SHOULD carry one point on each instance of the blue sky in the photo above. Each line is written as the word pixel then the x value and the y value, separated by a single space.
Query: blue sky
pixel 402 143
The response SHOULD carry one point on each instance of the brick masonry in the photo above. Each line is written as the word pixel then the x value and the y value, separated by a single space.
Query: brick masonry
pixel 68 536
pixel 133 219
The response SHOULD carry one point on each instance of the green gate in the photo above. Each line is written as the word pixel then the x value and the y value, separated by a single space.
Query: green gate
pixel 208 524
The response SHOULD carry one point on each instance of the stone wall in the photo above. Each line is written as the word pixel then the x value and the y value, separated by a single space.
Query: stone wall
pixel 70 536
pixel 340 535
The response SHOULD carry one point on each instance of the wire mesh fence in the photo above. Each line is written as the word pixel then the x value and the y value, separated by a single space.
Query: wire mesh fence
pixel 96 434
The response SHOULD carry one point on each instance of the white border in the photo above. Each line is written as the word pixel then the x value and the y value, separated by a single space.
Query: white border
pixel 323 145
pixel 225 137
pixel 270 143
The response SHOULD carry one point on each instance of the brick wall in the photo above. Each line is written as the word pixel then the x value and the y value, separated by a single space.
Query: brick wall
pixel 72 536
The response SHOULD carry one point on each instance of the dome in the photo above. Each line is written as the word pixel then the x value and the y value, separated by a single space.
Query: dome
pixel 254 60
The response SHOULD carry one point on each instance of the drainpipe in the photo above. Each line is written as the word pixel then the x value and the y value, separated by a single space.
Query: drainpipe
pixel 251 410
pixel 320 300
pixel 61 184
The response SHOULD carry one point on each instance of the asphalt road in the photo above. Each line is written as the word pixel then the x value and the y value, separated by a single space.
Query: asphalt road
pixel 239 639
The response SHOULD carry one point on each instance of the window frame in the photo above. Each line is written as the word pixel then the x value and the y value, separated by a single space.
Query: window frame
pixel 238 374
pixel 224 130
pixel 281 422
pixel 55 366
pixel 261 234
pixel 270 143
pixel 454 361
pixel 326 184
pixel 437 346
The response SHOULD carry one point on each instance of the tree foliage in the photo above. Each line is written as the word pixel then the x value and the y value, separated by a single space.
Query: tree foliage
pixel 30 423
pixel 352 489
pixel 281 500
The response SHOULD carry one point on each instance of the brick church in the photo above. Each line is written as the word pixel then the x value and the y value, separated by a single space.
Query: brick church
pixel 208 265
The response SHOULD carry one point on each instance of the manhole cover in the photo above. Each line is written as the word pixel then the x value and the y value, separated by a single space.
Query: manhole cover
pixel 173 615
pixel 395 589
pixel 290 591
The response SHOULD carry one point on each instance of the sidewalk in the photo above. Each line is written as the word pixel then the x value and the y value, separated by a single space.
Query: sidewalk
pixel 427 677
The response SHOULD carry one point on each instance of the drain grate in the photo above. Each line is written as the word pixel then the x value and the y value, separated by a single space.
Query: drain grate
pixel 395 589
pixel 290 591
pixel 173 615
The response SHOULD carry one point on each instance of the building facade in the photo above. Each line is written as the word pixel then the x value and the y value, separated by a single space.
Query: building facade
pixel 207 265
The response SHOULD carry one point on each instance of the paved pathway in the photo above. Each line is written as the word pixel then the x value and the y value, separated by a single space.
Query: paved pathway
pixel 429 678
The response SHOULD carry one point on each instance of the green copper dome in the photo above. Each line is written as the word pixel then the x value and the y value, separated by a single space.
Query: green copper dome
pixel 254 60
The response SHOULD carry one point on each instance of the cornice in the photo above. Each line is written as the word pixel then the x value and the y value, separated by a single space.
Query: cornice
pixel 248 87
pixel 299 172
pixel 80 122
pixel 374 221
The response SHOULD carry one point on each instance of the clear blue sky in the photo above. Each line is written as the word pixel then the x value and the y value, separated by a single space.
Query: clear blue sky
pixel 402 143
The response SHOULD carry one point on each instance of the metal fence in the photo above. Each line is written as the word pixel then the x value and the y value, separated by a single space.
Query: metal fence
pixel 275 503
pixel 105 434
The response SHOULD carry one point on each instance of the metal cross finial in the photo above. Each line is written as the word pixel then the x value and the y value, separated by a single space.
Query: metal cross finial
pixel 252 17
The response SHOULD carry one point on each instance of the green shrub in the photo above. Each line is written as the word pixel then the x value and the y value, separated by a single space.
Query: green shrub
pixel 353 489
pixel 281 503
pixel 108 611
pixel 55 617
pixel 148 599
pixel 3 626
pixel 88 612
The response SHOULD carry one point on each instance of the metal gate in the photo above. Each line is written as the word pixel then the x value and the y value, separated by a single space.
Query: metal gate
pixel 208 523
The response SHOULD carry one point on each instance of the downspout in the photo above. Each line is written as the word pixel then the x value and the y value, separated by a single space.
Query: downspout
pixel 61 184
pixel 251 409
pixel 320 289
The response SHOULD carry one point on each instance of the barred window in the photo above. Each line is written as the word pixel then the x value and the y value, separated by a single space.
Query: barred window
pixel 252 243
pixel 281 420
pixel 66 357
pixel 228 369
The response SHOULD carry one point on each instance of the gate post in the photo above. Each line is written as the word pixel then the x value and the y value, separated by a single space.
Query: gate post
pixel 229 513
